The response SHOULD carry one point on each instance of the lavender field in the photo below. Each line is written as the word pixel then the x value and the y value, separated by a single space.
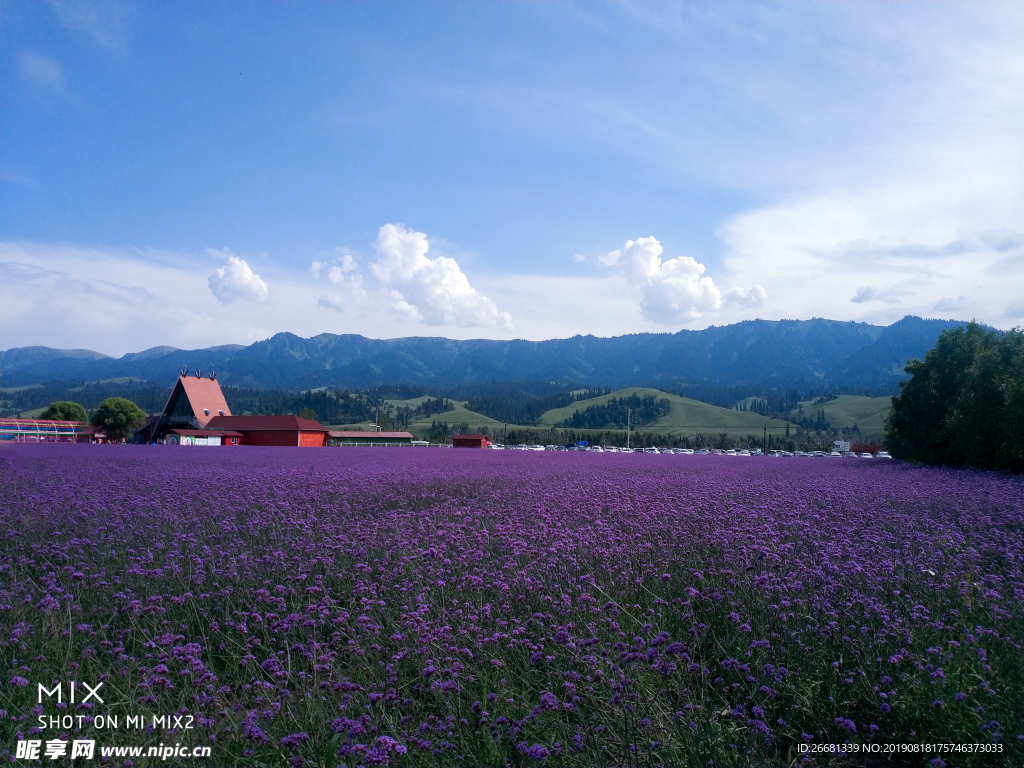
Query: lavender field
pixel 442 607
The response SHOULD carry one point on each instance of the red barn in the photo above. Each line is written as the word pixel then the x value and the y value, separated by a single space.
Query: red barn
pixel 470 441
pixel 273 430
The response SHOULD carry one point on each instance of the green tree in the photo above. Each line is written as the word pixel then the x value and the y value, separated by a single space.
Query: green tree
pixel 307 413
pixel 964 404
pixel 64 410
pixel 118 417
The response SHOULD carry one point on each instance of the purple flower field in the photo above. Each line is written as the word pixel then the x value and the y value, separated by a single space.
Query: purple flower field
pixel 454 607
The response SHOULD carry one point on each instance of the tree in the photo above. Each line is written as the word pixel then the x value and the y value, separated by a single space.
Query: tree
pixel 118 417
pixel 64 410
pixel 964 404
pixel 307 413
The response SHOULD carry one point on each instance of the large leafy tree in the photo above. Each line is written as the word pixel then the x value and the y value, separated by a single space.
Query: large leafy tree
pixel 64 410
pixel 964 403
pixel 118 417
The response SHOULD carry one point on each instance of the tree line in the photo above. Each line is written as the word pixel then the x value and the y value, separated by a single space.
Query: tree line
pixel 963 405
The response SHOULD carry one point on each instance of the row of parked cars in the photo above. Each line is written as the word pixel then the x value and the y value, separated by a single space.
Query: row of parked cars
pixel 834 454
pixel 688 451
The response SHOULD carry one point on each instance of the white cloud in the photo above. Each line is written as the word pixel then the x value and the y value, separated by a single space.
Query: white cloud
pixel 864 293
pixel 750 298
pixel 899 250
pixel 44 74
pixel 344 274
pixel 578 257
pixel 431 291
pixel 673 291
pixel 236 281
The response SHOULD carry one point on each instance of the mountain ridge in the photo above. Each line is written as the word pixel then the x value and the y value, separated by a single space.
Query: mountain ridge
pixel 771 353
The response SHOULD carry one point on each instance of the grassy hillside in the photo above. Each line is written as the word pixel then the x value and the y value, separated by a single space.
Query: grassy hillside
pixel 460 415
pixel 687 417
pixel 868 413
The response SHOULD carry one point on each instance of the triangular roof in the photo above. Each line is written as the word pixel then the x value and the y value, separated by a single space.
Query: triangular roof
pixel 204 396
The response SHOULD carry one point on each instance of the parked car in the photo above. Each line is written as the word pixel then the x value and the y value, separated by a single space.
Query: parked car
pixel 883 455
pixel 867 455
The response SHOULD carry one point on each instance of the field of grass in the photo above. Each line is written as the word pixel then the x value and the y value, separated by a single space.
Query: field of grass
pixel 686 418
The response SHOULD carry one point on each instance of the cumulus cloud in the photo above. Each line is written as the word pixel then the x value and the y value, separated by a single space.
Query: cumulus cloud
pixel 344 274
pixel 236 281
pixel 432 291
pixel 749 298
pixel 674 290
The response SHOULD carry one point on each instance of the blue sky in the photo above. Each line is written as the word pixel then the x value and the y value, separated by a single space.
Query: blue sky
pixel 205 173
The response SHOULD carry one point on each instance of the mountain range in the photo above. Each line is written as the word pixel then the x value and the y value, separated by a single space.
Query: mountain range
pixel 767 353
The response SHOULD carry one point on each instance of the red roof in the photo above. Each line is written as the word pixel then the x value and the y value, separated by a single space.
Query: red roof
pixel 203 395
pixel 357 433
pixel 470 437
pixel 265 424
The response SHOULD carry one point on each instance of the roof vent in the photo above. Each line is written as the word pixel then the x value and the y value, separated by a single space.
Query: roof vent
pixel 220 412
pixel 213 375
pixel 184 371
pixel 199 374
pixel 206 411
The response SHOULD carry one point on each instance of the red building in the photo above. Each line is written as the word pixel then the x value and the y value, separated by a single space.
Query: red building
pixel 273 430
pixel 197 414
pixel 194 401
pixel 470 441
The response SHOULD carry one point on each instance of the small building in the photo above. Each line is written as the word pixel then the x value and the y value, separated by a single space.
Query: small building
pixel 272 430
pixel 91 434
pixel 203 437
pixel 378 439
pixel 470 441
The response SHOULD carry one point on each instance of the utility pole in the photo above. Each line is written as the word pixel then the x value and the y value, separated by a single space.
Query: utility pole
pixel 765 450
pixel 504 434
pixel 376 421
pixel 628 414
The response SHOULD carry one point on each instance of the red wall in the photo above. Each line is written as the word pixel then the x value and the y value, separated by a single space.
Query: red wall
pixel 272 437
pixel 286 437
pixel 312 439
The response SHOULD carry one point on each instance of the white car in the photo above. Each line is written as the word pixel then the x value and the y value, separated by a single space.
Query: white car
pixel 686 451
pixel 883 455
pixel 866 456
pixel 743 453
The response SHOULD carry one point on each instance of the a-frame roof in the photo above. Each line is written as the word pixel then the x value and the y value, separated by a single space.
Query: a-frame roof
pixel 203 395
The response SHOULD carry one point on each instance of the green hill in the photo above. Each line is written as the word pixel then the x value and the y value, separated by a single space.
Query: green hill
pixel 868 413
pixel 686 417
